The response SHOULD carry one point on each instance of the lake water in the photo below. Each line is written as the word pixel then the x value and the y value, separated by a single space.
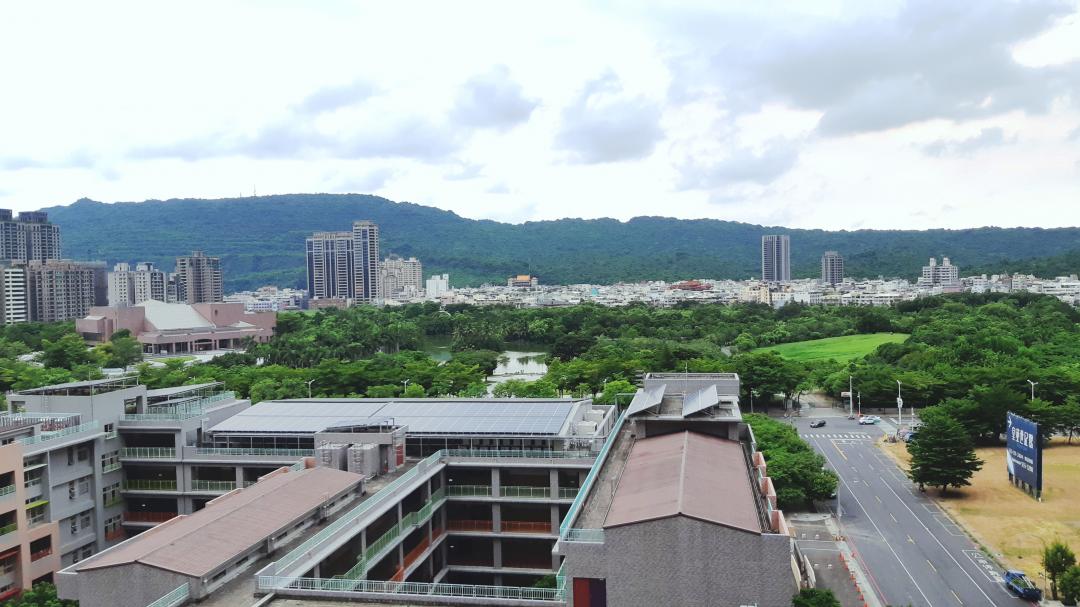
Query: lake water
pixel 523 360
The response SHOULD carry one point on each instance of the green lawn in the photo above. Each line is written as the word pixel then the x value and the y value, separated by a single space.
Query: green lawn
pixel 840 348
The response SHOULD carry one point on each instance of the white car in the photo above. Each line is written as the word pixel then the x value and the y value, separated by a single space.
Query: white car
pixel 869 420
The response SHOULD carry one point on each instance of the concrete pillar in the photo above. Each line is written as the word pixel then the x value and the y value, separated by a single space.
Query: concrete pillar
pixel 317 572
pixel 496 518
pixel 239 477
pixel 495 482
pixel 553 476
pixel 363 540
pixel 555 519
pixel 497 556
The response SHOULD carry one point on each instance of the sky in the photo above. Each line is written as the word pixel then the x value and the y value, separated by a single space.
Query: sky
pixel 834 115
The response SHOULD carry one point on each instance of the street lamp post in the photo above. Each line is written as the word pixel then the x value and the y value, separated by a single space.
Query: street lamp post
pixel 860 404
pixel 406 382
pixel 899 405
pixel 751 400
pixel 309 388
pixel 1033 384
pixel 850 399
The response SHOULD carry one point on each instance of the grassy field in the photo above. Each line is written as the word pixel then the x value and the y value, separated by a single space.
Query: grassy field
pixel 1005 520
pixel 842 349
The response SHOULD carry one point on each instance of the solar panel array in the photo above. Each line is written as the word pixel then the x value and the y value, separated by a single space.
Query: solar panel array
pixel 646 399
pixel 700 400
pixel 429 417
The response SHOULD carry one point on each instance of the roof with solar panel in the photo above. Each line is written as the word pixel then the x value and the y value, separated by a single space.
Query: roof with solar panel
pixel 457 416
pixel 713 396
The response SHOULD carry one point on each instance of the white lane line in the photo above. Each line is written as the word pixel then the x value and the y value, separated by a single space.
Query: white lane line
pixel 878 529
pixel 943 549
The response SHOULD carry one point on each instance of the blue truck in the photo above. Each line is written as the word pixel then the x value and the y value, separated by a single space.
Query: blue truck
pixel 1022 587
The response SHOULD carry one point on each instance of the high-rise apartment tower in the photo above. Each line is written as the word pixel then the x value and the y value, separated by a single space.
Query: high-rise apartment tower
pixel 832 268
pixel 776 258
pixel 29 237
pixel 366 264
pixel 198 279
pixel 330 265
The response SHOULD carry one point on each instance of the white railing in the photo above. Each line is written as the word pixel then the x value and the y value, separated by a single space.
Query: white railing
pixel 277 583
pixel 566 529
pixel 260 452
pixel 174 598
pixel 148 453
pixel 47 436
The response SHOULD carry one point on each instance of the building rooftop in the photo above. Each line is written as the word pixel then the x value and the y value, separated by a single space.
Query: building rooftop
pixel 85 388
pixel 487 416
pixel 197 544
pixel 172 316
pixel 686 473
pixel 167 392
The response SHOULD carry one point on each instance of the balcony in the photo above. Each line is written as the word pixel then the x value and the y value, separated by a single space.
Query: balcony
pixel 526 527
pixel 112 500
pixel 237 454
pixel 534 493
pixel 471 525
pixel 40 554
pixel 111 434
pixel 8 490
pixel 213 486
pixel 6 529
pixel 149 485
pixel 115 534
pixel 148 517
pixel 134 453
pixel 107 468
pixel 48 439
pixel 469 490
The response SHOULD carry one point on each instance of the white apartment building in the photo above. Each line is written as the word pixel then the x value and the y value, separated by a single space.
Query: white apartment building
pixel 128 287
pixel 437 285
pixel 401 279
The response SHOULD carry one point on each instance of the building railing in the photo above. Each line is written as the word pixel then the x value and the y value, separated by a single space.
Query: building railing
pixel 92 426
pixel 113 500
pixel 40 554
pixel 261 452
pixel 159 417
pixel 223 486
pixel 543 493
pixel 469 490
pixel 525 527
pixel 6 529
pixel 174 598
pixel 338 526
pixel 398 589
pixel 30 483
pixel 149 485
pixel 115 534
pixel 8 490
pixel 566 528
pixel 503 453
pixel 566 493
pixel 106 468
pixel 148 453
pixel 471 525
pixel 148 517
pixel 111 434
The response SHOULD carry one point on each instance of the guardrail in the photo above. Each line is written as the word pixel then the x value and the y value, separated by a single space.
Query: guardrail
pixel 48 436
pixel 6 529
pixel 241 451
pixel 174 598
pixel 223 486
pixel 403 527
pixel 268 582
pixel 159 417
pixel 537 454
pixel 7 490
pixel 589 535
pixel 107 468
pixel 149 485
pixel 148 517
pixel 542 493
pixel 469 491
pixel 148 453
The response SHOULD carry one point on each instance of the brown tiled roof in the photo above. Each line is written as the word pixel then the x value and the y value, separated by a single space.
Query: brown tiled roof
pixel 689 474
pixel 196 544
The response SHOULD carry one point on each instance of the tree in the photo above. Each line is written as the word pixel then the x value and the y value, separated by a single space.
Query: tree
pixel 613 389
pixel 1057 558
pixel 41 595
pixel 1070 585
pixel 66 352
pixel 120 351
pixel 414 391
pixel 943 455
pixel 815 597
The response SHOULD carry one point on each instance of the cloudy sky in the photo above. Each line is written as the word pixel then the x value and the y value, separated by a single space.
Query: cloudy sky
pixel 828 114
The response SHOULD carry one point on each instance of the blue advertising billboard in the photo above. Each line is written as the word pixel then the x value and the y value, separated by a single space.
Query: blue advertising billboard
pixel 1023 451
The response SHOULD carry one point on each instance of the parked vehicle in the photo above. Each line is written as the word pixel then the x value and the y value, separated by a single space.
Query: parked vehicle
pixel 817 423
pixel 869 420
pixel 1018 584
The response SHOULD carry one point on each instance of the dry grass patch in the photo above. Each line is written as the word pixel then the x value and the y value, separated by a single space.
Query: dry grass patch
pixel 1009 523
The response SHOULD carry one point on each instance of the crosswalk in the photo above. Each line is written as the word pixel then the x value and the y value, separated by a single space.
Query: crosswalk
pixel 846 435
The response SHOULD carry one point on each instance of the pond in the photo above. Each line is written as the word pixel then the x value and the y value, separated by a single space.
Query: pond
pixel 521 360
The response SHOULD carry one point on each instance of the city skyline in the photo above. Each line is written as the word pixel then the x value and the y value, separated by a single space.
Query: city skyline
pixel 527 122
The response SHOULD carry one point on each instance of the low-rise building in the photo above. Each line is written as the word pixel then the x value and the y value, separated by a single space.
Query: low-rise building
pixel 177 328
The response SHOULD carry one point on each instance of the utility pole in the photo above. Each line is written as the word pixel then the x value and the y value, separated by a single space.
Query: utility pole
pixel 1033 384
pixel 899 405
pixel 850 396
pixel 309 388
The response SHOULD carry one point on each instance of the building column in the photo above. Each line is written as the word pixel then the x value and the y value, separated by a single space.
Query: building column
pixel 555 519
pixel 495 482
pixel 497 555
pixel 496 518
pixel 554 482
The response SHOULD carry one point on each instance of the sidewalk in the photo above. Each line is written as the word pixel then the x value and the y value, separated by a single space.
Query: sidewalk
pixel 834 564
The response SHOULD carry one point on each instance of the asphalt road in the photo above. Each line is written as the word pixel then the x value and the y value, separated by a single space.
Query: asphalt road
pixel 913 551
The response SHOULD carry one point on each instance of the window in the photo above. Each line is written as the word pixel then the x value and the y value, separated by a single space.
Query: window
pixel 83 453
pixel 71 490
pixel 74 525
pixel 87 552
pixel 84 521
pixel 111 494
pixel 84 486
pixel 9 564
pixel 112 523
pixel 71 455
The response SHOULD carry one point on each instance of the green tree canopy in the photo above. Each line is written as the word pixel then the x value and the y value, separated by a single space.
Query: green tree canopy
pixel 943 455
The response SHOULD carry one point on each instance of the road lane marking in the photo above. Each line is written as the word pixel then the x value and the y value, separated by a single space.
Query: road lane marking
pixel 910 540
pixel 945 550
pixel 958 597
pixel 877 498
pixel 931 565
pixel 837 447
pixel 893 518
pixel 882 535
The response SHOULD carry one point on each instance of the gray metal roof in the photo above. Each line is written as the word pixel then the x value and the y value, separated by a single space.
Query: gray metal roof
pixel 422 416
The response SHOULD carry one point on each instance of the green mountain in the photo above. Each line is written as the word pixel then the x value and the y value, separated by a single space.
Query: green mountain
pixel 261 241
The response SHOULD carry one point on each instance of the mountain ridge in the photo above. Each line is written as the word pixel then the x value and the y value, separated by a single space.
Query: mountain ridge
pixel 261 241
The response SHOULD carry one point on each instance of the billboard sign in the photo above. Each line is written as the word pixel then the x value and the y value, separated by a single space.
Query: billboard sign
pixel 1023 451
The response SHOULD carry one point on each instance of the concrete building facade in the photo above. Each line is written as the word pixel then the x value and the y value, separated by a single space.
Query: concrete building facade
pixel 330 265
pixel 177 328
pixel 28 237
pixel 14 297
pixel 944 274
pixel 437 285
pixel 832 268
pixel 62 290
pixel 198 279
pixel 128 287
pixel 776 258
pixel 366 264
pixel 401 279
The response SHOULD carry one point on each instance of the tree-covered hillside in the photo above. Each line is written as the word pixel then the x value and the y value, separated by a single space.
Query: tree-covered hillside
pixel 261 241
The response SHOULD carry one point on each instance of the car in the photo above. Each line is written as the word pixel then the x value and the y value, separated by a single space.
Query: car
pixel 1022 587
pixel 869 420
pixel 817 423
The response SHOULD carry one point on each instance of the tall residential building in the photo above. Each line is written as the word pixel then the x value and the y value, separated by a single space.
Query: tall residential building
pixel 776 258
pixel 832 268
pixel 128 287
pixel 400 278
pixel 330 265
pixel 437 285
pixel 61 289
pixel 945 274
pixel 366 261
pixel 14 305
pixel 29 237
pixel 198 279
